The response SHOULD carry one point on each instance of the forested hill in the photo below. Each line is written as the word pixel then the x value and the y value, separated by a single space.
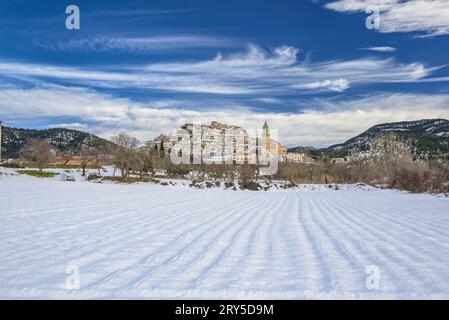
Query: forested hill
pixel 63 140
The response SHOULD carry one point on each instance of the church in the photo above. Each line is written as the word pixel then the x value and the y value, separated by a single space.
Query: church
pixel 272 146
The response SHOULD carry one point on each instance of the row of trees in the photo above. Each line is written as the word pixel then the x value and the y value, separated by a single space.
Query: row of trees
pixel 389 161
pixel 430 176
pixel 124 153
pixel 41 153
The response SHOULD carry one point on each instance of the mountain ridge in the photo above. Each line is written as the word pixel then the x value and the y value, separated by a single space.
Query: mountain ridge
pixel 62 139
pixel 429 137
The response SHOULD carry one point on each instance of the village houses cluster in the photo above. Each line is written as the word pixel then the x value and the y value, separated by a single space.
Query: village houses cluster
pixel 222 143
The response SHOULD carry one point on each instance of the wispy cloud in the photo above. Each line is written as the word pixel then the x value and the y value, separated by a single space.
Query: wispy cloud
pixel 380 49
pixel 338 85
pixel 253 72
pixel 106 114
pixel 73 126
pixel 430 17
pixel 270 100
pixel 142 44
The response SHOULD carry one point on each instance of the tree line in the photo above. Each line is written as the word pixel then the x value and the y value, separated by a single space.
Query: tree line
pixel 389 162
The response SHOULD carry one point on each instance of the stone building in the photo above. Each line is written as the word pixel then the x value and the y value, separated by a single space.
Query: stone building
pixel 162 144
pixel 299 157
pixel 222 143
pixel 271 146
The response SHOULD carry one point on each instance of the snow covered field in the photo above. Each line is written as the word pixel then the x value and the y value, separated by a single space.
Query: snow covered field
pixel 150 241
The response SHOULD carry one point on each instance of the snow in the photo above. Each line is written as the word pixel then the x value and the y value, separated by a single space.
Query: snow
pixel 148 241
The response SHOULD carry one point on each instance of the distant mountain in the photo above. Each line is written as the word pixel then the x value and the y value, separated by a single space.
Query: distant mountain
pixel 429 137
pixel 62 140
pixel 308 149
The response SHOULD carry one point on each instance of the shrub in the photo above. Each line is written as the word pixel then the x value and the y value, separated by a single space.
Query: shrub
pixel 94 176
pixel 66 177
pixel 289 185
pixel 250 185
pixel 229 184
pixel 130 180
pixel 12 164
pixel 38 174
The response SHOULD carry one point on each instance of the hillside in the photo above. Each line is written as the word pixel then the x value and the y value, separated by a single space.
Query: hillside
pixel 308 150
pixel 429 137
pixel 63 140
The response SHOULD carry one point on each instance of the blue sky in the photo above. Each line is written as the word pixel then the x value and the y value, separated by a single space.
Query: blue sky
pixel 310 68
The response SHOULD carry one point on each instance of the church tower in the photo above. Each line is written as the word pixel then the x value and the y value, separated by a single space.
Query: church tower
pixel 266 138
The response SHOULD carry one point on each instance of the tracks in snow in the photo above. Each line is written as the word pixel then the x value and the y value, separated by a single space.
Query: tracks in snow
pixel 154 242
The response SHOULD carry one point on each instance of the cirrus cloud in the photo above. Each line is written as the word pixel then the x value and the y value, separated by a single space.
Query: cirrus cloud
pixel 430 17
pixel 252 72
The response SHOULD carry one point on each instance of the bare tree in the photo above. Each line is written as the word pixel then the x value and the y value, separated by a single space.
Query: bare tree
pixel 38 151
pixel 246 173
pixel 125 153
pixel 146 161
pixel 102 154
pixel 292 172
pixel 67 155
pixel 390 153
pixel 326 166
pixel 87 155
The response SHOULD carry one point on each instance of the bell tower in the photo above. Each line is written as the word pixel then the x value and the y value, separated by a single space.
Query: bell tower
pixel 266 138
